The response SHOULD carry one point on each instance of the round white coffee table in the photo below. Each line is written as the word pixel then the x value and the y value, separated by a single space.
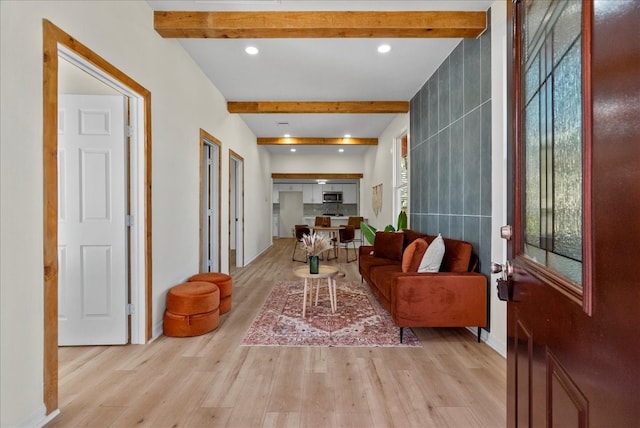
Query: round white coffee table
pixel 324 271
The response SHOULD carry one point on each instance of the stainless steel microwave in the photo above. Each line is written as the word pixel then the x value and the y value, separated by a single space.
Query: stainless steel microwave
pixel 332 197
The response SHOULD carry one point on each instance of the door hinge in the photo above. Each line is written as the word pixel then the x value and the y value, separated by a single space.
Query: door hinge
pixel 130 309
pixel 129 131
pixel 128 220
pixel 209 263
pixel 209 212
pixel 209 161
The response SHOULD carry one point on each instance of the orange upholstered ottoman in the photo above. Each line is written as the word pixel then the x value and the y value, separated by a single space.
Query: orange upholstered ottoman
pixel 224 283
pixel 193 308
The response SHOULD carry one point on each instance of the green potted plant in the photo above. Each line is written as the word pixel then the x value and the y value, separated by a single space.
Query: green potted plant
pixel 369 232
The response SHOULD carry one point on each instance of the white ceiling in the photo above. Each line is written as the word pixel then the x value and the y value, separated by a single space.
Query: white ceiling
pixel 318 69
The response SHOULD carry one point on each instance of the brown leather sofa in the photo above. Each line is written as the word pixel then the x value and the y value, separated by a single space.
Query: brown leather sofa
pixel 456 296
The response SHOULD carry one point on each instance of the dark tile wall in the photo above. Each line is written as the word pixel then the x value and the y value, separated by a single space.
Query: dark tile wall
pixel 450 149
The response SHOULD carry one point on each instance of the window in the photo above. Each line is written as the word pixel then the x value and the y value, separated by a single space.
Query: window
pixel 551 59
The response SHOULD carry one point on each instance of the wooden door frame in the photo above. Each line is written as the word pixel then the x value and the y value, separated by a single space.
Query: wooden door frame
pixel 53 37
pixel 204 135
pixel 235 157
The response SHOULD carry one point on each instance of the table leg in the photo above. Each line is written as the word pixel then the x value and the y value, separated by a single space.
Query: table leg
pixel 304 299
pixel 331 294
pixel 335 294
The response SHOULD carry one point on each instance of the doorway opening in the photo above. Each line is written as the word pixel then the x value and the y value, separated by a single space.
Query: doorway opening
pixel 59 45
pixel 401 174
pixel 236 210
pixel 210 225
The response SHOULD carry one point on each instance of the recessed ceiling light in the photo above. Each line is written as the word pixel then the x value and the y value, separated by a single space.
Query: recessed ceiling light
pixel 341 150
pixel 347 135
pixel 251 50
pixel 384 48
pixel 293 150
pixel 287 135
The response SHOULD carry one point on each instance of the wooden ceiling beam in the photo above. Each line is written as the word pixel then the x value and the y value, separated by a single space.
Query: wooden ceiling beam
pixel 315 175
pixel 313 141
pixel 321 107
pixel 326 24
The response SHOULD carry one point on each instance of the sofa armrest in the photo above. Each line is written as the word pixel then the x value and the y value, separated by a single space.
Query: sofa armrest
pixel 439 299
pixel 365 249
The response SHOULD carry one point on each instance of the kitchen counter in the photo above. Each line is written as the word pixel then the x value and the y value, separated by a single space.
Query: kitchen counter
pixel 335 220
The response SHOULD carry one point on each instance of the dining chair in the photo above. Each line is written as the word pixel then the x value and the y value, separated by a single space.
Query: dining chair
pixel 355 222
pixel 347 236
pixel 300 231
pixel 323 221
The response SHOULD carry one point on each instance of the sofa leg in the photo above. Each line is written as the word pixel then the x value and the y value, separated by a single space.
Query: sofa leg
pixel 479 333
pixel 401 332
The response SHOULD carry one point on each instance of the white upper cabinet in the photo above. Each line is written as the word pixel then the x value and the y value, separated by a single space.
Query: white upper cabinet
pixel 312 193
pixel 307 194
pixel 349 194
pixel 290 187
pixel 317 193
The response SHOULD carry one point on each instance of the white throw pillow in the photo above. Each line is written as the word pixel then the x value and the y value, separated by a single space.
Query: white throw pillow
pixel 433 256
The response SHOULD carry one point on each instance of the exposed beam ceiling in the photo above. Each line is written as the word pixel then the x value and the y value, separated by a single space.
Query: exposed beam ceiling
pixel 317 58
pixel 328 24
pixel 318 141
pixel 318 106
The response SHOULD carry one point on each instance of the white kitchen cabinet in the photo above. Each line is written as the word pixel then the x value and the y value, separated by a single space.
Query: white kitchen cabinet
pixel 349 194
pixel 307 194
pixel 317 193
pixel 290 187
pixel 333 187
pixel 276 225
pixel 276 194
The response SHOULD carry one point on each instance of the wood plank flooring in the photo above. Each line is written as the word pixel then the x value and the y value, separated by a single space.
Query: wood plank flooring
pixel 212 381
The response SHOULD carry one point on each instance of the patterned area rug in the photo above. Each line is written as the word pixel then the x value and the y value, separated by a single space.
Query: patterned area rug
pixel 358 321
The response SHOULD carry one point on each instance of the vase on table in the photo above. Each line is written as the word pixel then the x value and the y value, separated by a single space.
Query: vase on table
pixel 314 264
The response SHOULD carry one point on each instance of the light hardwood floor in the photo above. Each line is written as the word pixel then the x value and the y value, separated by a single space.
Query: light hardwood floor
pixel 212 381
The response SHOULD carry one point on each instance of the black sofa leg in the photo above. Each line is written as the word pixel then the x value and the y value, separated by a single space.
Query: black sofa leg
pixel 401 333
pixel 479 332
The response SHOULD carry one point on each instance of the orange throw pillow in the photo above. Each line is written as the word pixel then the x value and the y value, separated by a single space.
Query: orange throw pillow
pixel 413 254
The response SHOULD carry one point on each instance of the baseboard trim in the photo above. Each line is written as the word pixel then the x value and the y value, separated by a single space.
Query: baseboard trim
pixel 488 338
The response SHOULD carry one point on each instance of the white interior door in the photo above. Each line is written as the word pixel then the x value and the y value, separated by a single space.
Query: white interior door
pixel 210 197
pixel 291 212
pixel 92 208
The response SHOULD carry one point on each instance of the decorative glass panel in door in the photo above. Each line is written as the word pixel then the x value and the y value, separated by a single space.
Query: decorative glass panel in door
pixel 553 135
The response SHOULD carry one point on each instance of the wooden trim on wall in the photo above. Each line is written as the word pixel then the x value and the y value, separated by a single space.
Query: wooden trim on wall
pixel 320 24
pixel 204 135
pixel 318 107
pixel 317 141
pixel 316 175
pixel 52 37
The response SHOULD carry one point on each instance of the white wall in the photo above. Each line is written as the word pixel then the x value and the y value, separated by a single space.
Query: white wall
pixel 295 163
pixel 379 168
pixel 183 101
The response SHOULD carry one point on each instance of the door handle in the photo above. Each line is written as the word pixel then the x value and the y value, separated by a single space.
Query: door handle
pixel 506 269
pixel 505 289
pixel 504 283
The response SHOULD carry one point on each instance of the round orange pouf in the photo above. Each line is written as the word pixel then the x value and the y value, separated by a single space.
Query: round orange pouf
pixel 224 283
pixel 193 308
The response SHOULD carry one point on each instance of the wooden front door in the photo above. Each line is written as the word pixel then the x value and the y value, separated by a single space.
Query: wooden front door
pixel 574 290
